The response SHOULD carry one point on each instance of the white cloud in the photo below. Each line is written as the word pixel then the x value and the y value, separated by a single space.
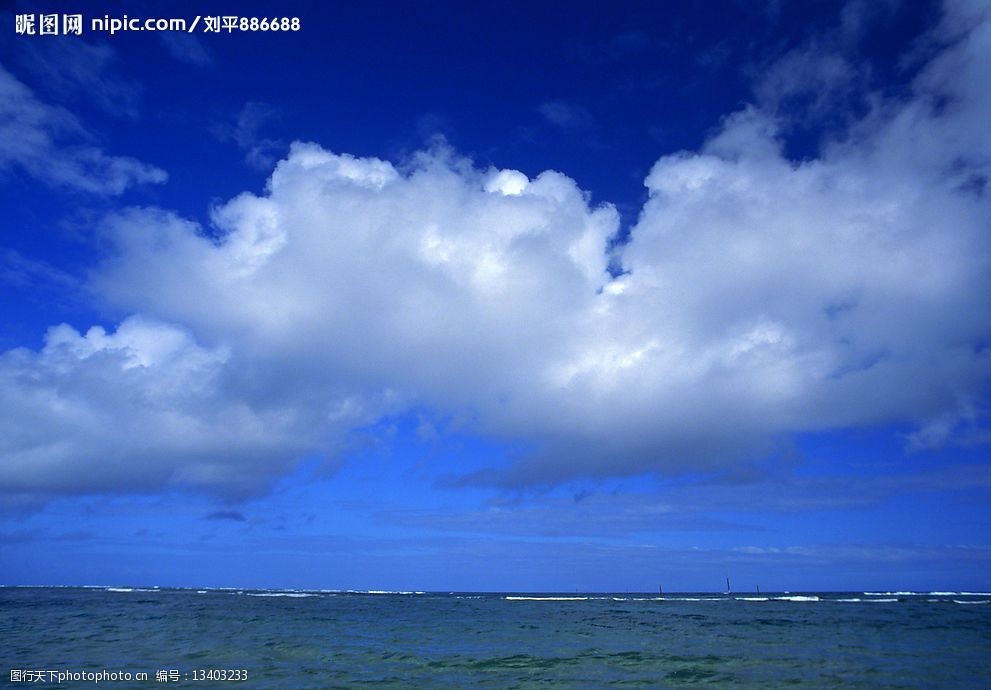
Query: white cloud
pixel 50 144
pixel 351 271
pixel 138 409
pixel 763 298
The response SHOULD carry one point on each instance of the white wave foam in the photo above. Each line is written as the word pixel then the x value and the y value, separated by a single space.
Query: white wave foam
pixel 609 598
pixel 972 601
pixel 633 598
pixel 884 600
pixel 796 598
pixel 128 589
pixel 751 598
pixel 295 595
pixel 928 594
pixel 546 598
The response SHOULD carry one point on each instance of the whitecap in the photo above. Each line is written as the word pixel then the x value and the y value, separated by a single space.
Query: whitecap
pixel 869 601
pixel 546 598
pixel 796 598
pixel 129 589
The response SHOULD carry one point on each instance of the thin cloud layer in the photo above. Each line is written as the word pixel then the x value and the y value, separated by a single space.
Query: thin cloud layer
pixel 761 298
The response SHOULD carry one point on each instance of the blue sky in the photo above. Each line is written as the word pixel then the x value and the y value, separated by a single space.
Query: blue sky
pixel 515 297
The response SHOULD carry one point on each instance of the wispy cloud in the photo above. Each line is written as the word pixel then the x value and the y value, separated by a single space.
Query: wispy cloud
pixel 75 71
pixel 568 116
pixel 259 151
pixel 52 145
pixel 687 507
pixel 227 515
pixel 186 48
pixel 21 271
pixel 599 516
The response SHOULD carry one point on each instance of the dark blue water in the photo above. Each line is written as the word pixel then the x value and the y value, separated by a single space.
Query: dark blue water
pixel 344 640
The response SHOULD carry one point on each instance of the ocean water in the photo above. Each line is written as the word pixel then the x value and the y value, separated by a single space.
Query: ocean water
pixel 307 639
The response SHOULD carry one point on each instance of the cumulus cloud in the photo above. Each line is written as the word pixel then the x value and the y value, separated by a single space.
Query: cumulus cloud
pixel 138 409
pixel 442 285
pixel 761 299
pixel 51 145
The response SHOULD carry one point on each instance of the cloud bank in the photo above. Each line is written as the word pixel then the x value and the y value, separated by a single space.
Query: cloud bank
pixel 761 298
pixel 134 410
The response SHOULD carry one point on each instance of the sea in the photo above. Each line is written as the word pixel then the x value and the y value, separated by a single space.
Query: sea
pixel 134 637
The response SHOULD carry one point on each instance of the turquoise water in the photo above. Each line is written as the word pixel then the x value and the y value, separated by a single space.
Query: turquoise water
pixel 293 639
